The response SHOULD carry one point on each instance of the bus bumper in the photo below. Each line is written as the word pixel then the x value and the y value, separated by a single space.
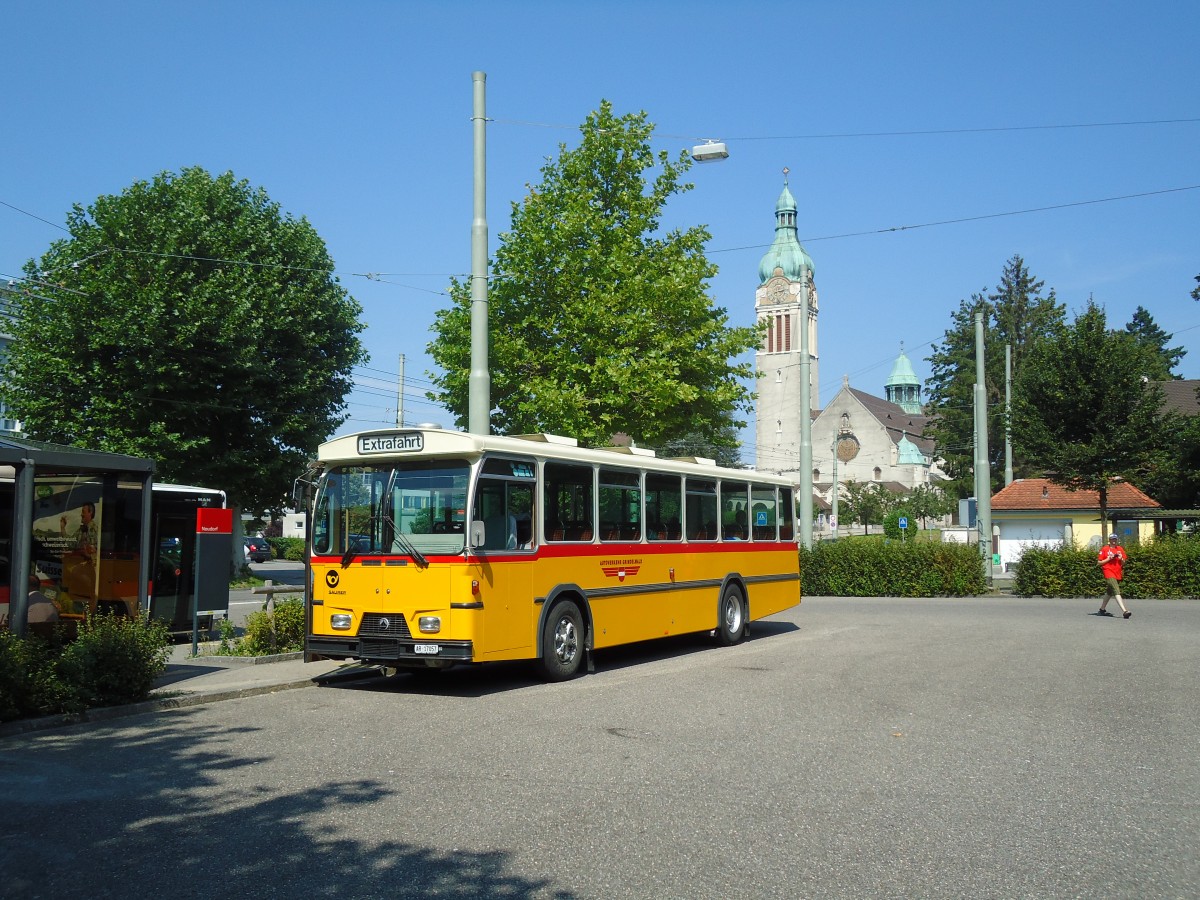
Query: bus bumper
pixel 388 650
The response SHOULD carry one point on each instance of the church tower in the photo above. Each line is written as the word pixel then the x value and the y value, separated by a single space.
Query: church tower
pixel 903 386
pixel 783 270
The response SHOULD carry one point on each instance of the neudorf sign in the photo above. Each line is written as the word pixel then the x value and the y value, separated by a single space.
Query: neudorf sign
pixel 404 442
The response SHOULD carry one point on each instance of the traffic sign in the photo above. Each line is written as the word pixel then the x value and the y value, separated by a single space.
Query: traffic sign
pixel 903 522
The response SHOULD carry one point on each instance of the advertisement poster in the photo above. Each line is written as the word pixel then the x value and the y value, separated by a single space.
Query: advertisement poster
pixel 66 543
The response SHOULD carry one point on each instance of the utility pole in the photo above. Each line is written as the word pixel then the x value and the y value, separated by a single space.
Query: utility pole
pixel 834 502
pixel 479 403
pixel 1008 473
pixel 400 395
pixel 983 473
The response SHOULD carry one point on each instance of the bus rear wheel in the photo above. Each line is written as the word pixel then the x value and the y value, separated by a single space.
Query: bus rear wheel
pixel 731 617
pixel 562 642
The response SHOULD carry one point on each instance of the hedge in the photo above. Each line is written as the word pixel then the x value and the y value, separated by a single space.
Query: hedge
pixel 854 568
pixel 1167 567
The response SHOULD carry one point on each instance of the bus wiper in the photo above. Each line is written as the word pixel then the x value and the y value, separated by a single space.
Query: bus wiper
pixel 406 545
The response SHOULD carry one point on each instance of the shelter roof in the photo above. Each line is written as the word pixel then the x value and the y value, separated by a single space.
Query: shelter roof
pixel 1034 494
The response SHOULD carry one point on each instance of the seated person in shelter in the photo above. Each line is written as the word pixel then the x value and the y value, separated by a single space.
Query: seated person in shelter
pixel 41 614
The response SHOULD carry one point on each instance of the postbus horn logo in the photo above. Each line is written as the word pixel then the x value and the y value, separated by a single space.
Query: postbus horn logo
pixel 332 578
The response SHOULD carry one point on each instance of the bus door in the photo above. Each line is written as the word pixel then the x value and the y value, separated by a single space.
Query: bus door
pixel 172 576
pixel 505 502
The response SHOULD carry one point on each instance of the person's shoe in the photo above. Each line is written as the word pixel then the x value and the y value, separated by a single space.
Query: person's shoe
pixel 1126 614
pixel 1104 612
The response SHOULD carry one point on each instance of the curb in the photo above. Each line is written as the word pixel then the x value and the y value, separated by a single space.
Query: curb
pixel 164 703
pixel 167 700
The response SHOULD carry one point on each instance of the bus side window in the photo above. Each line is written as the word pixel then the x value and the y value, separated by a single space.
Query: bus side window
pixel 568 511
pixel 664 507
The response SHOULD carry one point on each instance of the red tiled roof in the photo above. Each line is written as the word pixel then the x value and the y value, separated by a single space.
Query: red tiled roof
pixel 1043 494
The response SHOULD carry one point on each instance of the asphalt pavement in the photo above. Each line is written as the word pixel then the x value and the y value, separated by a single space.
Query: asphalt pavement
pixel 853 747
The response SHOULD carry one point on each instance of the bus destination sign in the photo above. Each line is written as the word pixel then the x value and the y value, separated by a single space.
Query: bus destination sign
pixel 404 442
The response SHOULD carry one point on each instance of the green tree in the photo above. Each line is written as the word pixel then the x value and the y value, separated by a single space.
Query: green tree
pixel 599 323
pixel 1144 329
pixel 865 503
pixel 189 321
pixel 1085 413
pixel 928 502
pixel 1017 314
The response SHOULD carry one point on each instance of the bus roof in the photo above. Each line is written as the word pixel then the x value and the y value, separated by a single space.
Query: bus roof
pixel 396 443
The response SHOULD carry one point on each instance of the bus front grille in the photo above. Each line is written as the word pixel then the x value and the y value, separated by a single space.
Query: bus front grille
pixel 391 625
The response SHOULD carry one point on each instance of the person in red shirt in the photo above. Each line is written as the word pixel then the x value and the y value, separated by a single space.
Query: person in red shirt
pixel 1111 560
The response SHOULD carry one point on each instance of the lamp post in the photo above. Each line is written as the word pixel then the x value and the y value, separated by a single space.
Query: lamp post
pixel 479 402
pixel 806 483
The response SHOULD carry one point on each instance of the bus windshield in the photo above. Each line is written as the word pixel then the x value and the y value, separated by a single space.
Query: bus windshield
pixel 378 510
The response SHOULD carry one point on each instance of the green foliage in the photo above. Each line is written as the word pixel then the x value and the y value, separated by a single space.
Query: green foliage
pixel 187 320
pixel 1173 477
pixel 287 548
pixel 1015 314
pixel 25 664
pixel 1162 359
pixel 865 503
pixel 1168 567
pixel 267 633
pixel 113 660
pixel 1083 411
pixel 866 568
pixel 891 524
pixel 599 323
pixel 928 502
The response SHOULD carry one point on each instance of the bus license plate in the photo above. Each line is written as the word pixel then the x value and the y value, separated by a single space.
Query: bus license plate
pixel 428 649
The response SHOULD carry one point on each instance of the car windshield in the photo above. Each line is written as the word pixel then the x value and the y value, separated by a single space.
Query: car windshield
pixel 377 510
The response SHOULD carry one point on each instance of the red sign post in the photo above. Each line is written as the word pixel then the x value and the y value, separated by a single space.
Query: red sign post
pixel 214 550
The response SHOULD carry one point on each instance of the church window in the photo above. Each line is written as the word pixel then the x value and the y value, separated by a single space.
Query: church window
pixel 878 473
pixel 779 376
pixel 816 474
pixel 787 332
pixel 779 431
pixel 770 334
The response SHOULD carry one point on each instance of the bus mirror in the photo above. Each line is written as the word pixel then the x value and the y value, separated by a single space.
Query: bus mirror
pixel 477 533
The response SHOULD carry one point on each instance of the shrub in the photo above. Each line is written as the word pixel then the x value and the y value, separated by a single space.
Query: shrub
pixel 857 568
pixel 23 664
pixel 1168 566
pixel 281 631
pixel 287 548
pixel 113 660
pixel 891 525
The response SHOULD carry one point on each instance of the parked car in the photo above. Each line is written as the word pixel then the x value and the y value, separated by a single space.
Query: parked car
pixel 257 549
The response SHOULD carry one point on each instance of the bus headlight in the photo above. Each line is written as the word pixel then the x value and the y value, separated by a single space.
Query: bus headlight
pixel 430 624
pixel 339 622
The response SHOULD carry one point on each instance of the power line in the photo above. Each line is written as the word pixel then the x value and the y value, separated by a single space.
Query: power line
pixel 876 134
pixel 979 218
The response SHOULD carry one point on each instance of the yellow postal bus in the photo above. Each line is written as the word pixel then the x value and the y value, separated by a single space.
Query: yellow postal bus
pixel 432 547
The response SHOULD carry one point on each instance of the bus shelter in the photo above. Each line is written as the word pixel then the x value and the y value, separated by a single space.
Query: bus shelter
pixel 76 521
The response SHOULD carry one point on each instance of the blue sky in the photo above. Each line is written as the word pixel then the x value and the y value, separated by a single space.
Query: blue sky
pixel 357 116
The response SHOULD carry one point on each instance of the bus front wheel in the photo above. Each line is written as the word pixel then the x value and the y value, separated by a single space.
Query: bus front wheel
pixel 562 642
pixel 731 620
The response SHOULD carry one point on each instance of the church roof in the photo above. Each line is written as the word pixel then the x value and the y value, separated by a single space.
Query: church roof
pixel 786 252
pixel 899 424
pixel 902 372
pixel 909 455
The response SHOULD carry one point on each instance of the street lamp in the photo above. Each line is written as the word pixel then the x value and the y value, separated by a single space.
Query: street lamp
pixel 710 151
